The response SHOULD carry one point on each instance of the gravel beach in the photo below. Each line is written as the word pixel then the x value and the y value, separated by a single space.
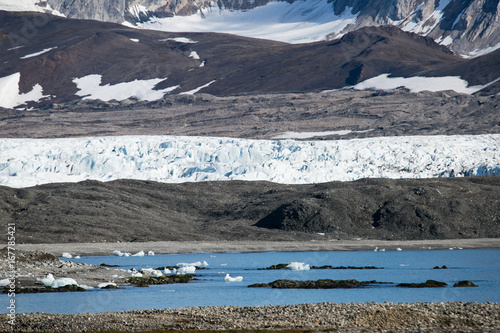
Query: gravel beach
pixel 352 317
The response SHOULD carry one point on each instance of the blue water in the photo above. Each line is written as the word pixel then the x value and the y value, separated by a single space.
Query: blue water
pixel 480 266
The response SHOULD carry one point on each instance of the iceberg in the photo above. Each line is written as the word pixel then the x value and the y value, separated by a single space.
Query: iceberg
pixel 228 278
pixel 298 266
pixel 186 270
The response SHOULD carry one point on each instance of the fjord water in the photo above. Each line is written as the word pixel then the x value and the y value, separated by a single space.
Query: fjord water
pixel 481 266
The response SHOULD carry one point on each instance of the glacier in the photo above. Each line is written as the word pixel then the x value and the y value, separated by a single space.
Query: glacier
pixel 175 159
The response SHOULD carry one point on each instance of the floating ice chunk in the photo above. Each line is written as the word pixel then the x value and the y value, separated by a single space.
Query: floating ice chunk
pixel 399 249
pixel 186 270
pixel 76 257
pixel 228 278
pixel 67 255
pixel 298 266
pixel 4 282
pixel 156 273
pixel 139 254
pixel 151 253
pixel 121 254
pixel 61 282
pixel 167 271
pixel 84 286
pixel 105 284
pixel 46 281
pixel 197 264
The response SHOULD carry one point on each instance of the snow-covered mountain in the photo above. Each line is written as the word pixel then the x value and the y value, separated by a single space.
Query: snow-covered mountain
pixel 467 27
pixel 28 162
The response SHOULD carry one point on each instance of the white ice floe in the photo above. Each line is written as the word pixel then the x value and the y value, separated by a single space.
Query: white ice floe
pixel 420 83
pixel 298 266
pixel 106 284
pixel 5 282
pixel 196 264
pixel 399 249
pixel 61 282
pixel 294 22
pixel 50 281
pixel 66 255
pixel 139 254
pixel 36 54
pixel 151 253
pixel 10 95
pixel 89 87
pixel 186 270
pixel 84 286
pixel 29 162
pixel 166 271
pixel 156 273
pixel 121 254
pixel 47 280
pixel 228 278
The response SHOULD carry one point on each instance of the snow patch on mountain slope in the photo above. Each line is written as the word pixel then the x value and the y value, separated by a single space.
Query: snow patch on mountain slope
pixel 420 83
pixel 90 88
pixel 297 22
pixel 424 27
pixel 173 159
pixel 28 6
pixel 10 95
pixel 36 54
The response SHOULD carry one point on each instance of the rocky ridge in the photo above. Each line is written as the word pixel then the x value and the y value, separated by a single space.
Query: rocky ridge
pixel 135 211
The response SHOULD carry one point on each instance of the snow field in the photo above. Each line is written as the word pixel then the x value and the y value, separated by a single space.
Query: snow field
pixel 175 159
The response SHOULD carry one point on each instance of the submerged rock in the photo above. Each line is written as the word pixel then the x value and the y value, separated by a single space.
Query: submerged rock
pixel 161 279
pixel 426 284
pixel 319 284
pixel 464 284
pixel 286 266
pixel 35 290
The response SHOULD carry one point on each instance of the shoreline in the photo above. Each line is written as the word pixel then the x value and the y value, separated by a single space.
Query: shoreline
pixel 185 247
pixel 342 317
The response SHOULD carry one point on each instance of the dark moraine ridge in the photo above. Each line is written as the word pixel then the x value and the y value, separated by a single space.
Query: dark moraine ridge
pixel 130 210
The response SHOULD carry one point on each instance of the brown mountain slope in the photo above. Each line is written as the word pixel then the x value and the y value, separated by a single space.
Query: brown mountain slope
pixel 237 65
pixel 130 210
